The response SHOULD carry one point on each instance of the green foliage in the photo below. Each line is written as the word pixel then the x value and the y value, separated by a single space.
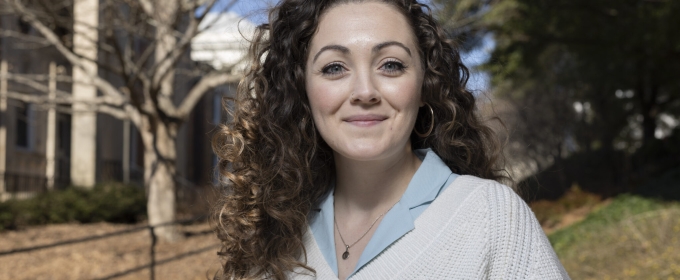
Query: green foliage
pixel 615 59
pixel 109 202
pixel 466 21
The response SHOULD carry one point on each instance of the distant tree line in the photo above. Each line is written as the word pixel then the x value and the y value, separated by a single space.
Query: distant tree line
pixel 591 87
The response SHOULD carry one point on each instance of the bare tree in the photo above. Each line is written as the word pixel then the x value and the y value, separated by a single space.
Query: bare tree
pixel 146 45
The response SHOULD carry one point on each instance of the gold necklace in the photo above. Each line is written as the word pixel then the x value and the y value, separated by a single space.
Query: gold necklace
pixel 345 255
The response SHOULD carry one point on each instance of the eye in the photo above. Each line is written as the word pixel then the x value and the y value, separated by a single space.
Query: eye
pixel 393 67
pixel 333 69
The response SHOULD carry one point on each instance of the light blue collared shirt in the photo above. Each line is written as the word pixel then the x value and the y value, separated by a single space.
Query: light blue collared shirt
pixel 431 178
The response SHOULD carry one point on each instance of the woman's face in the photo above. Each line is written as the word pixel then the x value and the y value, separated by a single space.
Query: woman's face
pixel 364 78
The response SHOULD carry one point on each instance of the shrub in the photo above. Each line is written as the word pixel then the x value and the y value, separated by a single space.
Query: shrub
pixel 111 202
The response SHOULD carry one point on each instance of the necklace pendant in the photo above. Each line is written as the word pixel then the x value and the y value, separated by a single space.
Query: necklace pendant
pixel 345 255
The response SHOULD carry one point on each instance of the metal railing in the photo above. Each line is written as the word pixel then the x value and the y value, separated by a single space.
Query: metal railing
pixel 152 249
pixel 24 185
pixel 19 183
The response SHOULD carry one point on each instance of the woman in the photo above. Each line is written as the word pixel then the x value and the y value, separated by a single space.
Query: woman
pixel 355 152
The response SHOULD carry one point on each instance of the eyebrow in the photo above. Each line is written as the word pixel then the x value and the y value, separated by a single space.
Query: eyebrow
pixel 339 48
pixel 381 46
pixel 375 49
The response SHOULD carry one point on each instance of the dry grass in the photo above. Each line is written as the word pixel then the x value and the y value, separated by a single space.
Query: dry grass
pixel 192 258
pixel 628 237
pixel 644 246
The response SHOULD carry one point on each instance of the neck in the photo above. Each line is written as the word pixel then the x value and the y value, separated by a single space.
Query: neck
pixel 370 186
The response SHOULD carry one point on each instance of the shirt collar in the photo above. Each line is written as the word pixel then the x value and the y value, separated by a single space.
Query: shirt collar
pixel 321 224
pixel 428 180
pixel 424 187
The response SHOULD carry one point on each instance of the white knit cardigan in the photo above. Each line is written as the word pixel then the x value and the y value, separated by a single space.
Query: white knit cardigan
pixel 475 229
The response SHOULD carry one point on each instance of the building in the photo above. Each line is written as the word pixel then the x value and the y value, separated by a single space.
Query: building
pixel 36 146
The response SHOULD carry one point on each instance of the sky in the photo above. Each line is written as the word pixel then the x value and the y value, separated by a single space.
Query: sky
pixel 256 11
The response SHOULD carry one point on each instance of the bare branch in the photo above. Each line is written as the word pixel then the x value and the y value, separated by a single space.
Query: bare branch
pixel 111 111
pixel 36 99
pixel 41 77
pixel 148 7
pixel 181 46
pixel 166 65
pixel 63 99
pixel 75 59
pixel 27 38
pixel 132 69
pixel 206 83
pixel 42 42
pixel 131 72
pixel 22 79
pixel 101 104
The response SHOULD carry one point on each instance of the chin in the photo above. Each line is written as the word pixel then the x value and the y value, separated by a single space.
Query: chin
pixel 363 151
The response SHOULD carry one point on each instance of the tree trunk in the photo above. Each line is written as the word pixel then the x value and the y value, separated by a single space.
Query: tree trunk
pixel 159 170
pixel 159 136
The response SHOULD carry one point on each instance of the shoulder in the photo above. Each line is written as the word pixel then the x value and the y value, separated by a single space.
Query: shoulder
pixel 483 206
pixel 493 205
pixel 486 186
pixel 505 211
pixel 515 242
pixel 496 198
pixel 480 199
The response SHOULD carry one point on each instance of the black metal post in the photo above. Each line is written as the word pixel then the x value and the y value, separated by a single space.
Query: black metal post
pixel 152 266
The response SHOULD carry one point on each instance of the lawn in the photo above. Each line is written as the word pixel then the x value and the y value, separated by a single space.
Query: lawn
pixel 627 237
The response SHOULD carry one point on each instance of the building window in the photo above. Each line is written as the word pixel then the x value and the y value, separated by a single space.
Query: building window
pixel 24 26
pixel 64 134
pixel 217 108
pixel 24 121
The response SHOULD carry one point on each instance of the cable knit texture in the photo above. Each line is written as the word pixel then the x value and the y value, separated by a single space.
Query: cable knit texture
pixel 475 229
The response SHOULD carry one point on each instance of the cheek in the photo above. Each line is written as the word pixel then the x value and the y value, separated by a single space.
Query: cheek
pixel 404 96
pixel 324 100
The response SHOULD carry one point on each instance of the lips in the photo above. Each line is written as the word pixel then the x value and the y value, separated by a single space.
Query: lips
pixel 365 120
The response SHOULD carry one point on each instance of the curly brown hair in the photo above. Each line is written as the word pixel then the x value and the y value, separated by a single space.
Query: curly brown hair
pixel 279 166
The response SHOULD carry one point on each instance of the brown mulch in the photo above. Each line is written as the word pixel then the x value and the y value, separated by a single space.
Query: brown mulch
pixel 124 256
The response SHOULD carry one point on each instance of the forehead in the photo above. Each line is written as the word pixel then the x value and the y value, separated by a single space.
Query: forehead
pixel 363 24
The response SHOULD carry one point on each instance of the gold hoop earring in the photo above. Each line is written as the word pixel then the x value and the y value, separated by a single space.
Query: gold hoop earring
pixel 423 135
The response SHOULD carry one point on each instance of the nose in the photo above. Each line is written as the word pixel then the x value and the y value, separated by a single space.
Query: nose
pixel 364 91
